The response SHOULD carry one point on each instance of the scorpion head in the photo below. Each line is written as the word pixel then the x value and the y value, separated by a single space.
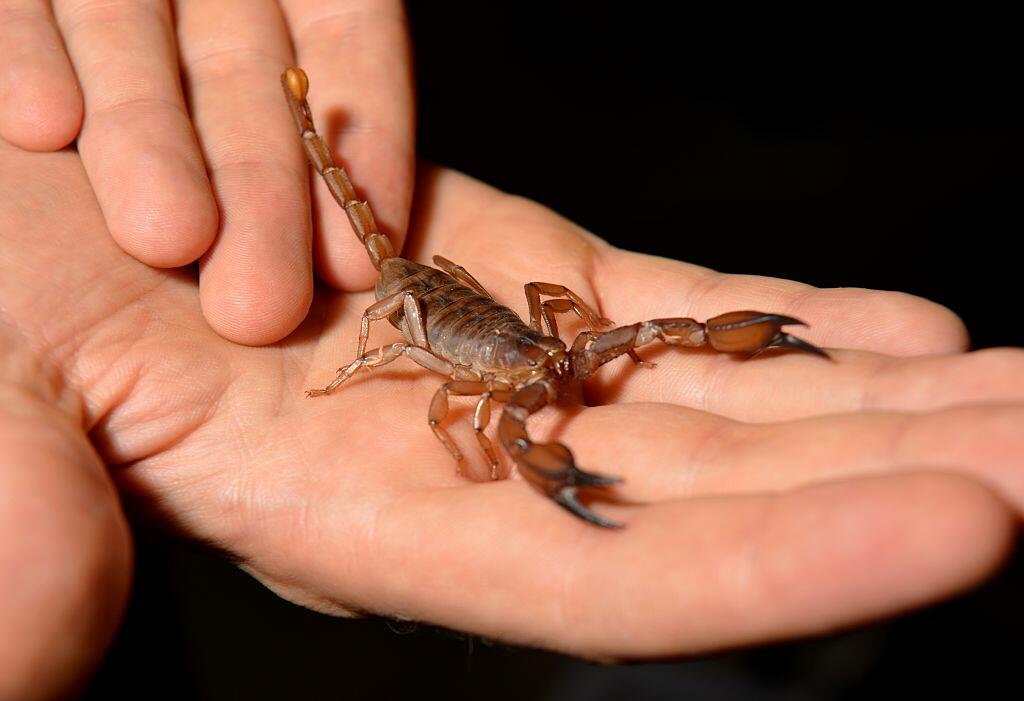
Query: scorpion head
pixel 546 355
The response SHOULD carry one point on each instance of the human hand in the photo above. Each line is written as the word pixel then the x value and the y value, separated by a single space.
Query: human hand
pixel 790 495
pixel 189 150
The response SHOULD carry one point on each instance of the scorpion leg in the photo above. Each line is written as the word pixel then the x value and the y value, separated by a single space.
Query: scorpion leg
pixel 573 303
pixel 734 332
pixel 551 307
pixel 383 356
pixel 460 274
pixel 548 467
pixel 386 307
pixel 560 306
pixel 481 417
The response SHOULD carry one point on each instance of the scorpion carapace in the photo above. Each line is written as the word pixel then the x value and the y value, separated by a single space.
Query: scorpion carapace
pixel 455 328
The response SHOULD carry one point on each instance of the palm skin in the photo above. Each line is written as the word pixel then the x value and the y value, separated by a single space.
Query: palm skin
pixel 788 495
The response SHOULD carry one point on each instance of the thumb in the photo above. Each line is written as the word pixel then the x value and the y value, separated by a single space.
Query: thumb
pixel 65 549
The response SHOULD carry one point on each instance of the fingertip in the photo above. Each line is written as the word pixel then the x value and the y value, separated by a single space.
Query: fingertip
pixel 41 104
pixel 164 236
pixel 252 310
pixel 42 111
pixel 972 512
pixel 922 536
pixel 896 323
pixel 949 330
pixel 256 281
pixel 935 328
pixel 160 209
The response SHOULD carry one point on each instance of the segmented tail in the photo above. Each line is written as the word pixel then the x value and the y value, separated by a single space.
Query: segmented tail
pixel 296 87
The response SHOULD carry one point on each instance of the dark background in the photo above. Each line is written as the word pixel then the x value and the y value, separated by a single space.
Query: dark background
pixel 870 151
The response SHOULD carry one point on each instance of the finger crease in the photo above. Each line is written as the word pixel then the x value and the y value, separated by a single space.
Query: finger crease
pixel 338 24
pixel 241 56
pixel 137 102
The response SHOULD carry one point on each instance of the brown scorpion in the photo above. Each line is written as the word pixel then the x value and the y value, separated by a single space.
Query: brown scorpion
pixel 454 327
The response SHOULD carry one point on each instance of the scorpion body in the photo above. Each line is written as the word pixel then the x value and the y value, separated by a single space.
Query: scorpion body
pixel 454 327
pixel 466 327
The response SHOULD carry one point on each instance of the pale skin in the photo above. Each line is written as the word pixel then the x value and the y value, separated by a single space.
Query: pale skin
pixel 789 495
pixel 177 113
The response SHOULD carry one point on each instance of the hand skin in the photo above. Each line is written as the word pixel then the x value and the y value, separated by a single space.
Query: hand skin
pixel 789 495
pixel 190 149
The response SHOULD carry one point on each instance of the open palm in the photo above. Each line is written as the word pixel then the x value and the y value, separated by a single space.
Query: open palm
pixel 774 497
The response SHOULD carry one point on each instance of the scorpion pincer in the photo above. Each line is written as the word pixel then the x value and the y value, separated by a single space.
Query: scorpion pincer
pixel 454 327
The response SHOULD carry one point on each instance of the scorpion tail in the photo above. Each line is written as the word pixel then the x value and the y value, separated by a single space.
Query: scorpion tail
pixel 549 467
pixel 296 87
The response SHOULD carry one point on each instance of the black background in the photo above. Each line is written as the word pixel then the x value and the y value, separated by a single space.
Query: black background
pixel 860 150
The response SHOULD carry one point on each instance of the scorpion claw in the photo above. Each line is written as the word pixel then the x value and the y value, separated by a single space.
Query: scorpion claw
pixel 754 332
pixel 784 320
pixel 550 468
pixel 577 477
pixel 566 498
pixel 785 340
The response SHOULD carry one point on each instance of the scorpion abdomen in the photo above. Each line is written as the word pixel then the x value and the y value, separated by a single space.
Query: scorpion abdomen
pixel 463 326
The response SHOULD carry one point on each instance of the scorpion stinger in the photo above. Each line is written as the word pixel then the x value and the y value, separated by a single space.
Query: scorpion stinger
pixel 452 326
pixel 378 247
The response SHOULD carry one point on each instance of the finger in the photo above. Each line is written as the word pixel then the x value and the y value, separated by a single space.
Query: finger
pixel 65 555
pixel 637 287
pixel 137 142
pixel 793 385
pixel 664 451
pixel 42 105
pixel 357 56
pixel 256 282
pixel 682 577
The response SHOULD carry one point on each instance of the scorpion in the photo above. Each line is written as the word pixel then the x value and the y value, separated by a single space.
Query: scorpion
pixel 454 327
